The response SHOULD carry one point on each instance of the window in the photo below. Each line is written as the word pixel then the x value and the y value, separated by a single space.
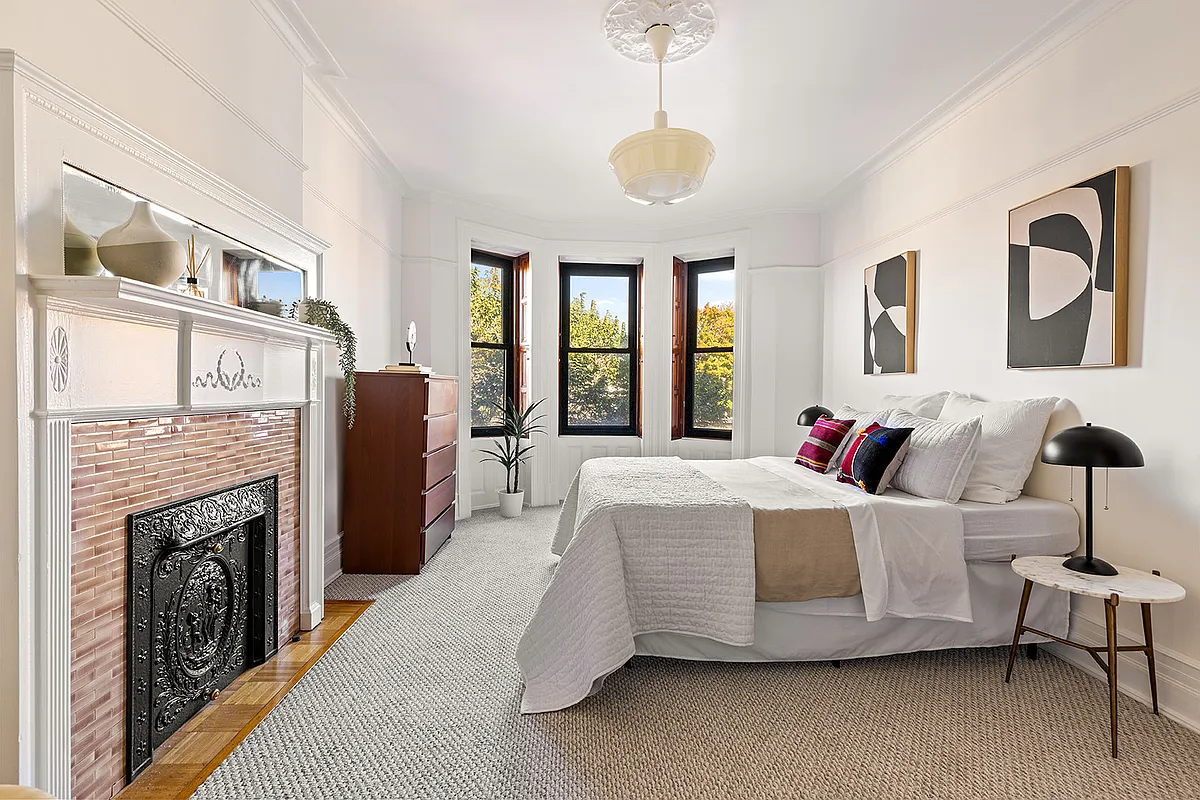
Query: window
pixel 702 349
pixel 499 351
pixel 599 349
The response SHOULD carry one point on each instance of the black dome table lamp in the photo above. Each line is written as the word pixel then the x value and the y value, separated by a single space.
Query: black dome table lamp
pixel 809 416
pixel 1091 446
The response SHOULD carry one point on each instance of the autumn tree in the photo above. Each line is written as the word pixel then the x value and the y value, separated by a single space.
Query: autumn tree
pixel 712 396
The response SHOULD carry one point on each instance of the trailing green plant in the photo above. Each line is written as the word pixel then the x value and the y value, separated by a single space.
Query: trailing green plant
pixel 324 314
pixel 512 451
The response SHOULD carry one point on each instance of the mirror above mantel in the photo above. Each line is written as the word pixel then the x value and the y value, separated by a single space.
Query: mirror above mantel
pixel 234 273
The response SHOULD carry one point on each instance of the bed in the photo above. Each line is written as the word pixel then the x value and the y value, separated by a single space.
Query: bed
pixel 658 558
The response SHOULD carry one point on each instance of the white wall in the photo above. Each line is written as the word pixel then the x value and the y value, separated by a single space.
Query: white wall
pixel 779 325
pixel 1124 91
pixel 215 82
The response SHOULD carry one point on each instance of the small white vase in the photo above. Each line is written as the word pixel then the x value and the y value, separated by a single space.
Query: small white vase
pixel 510 504
pixel 141 250
pixel 79 251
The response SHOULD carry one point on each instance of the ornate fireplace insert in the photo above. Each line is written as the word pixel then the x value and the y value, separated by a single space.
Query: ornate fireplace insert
pixel 202 605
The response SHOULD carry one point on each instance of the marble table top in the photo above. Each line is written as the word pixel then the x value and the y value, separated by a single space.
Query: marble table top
pixel 1131 584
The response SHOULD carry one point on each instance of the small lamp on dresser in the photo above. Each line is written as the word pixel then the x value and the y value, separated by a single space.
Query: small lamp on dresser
pixel 1091 446
pixel 809 416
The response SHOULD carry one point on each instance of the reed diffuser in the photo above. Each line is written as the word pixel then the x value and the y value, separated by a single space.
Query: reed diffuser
pixel 193 268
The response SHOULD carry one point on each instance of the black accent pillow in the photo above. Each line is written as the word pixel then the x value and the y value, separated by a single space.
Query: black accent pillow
pixel 878 457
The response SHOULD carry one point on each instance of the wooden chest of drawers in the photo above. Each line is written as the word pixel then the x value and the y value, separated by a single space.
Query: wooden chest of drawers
pixel 401 458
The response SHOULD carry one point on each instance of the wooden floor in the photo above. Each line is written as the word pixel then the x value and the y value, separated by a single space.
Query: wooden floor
pixel 198 748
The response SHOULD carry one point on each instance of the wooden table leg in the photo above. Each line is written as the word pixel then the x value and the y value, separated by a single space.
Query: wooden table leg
pixel 1012 654
pixel 1110 623
pixel 1146 629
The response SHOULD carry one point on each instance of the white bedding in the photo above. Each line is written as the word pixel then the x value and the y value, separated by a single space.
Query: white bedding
pixel 1027 526
pixel 656 546
pixel 653 545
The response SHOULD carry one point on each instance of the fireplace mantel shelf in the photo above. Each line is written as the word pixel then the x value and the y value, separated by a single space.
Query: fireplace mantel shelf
pixel 123 294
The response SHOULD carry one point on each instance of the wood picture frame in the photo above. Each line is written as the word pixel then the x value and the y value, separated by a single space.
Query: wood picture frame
pixel 890 316
pixel 1068 276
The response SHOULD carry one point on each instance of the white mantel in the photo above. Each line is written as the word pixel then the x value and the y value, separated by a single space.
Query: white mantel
pixel 112 348
pixel 109 348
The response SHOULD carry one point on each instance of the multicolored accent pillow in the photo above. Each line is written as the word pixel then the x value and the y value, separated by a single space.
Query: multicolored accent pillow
pixel 874 457
pixel 822 442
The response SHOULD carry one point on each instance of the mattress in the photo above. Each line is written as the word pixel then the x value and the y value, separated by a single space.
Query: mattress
pixel 1027 526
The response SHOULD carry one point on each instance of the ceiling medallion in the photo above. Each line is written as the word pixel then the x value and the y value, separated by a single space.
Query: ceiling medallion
pixel 693 21
pixel 664 164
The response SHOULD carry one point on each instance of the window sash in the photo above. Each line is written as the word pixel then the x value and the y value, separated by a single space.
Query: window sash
pixel 508 331
pixel 566 272
pixel 694 270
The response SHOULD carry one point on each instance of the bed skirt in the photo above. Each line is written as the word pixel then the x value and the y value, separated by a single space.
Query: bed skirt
pixel 789 632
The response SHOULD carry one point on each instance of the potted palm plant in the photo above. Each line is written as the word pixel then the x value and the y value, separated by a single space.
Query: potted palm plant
pixel 513 450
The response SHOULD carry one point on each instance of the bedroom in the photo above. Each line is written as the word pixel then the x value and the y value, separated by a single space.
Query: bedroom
pixel 385 157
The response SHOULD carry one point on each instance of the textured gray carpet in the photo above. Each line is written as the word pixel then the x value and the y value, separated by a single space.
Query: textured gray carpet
pixel 419 700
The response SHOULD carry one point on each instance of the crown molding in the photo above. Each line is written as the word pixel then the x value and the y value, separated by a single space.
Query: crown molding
pixel 294 30
pixel 321 71
pixel 1073 22
pixel 56 97
pixel 146 35
pixel 350 125
pixel 1180 103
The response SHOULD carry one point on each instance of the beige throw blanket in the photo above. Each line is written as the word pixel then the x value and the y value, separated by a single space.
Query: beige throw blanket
pixel 803 544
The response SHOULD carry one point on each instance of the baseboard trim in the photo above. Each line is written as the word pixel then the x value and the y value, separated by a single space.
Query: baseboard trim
pixel 333 558
pixel 1178 675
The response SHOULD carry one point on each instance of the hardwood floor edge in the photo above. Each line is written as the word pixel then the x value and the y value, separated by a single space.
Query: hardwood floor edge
pixel 275 700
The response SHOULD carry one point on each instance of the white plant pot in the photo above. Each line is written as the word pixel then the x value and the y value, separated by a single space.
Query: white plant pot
pixel 510 504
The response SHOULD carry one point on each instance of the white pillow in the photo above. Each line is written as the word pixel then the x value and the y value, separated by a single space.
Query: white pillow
pixel 940 455
pixel 923 405
pixel 1011 440
pixel 861 420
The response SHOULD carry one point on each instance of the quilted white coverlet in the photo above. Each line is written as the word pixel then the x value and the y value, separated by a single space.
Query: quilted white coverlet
pixel 648 545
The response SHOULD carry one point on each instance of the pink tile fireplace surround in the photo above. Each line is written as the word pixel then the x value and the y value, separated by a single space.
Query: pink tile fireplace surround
pixel 127 466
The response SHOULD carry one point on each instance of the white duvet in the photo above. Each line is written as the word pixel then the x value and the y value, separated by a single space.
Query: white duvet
pixel 660 545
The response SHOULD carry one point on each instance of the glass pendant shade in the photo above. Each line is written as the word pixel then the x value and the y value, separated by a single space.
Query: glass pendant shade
pixel 662 165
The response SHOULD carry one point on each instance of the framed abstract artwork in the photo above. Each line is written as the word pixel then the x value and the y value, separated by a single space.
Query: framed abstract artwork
pixel 890 316
pixel 1068 276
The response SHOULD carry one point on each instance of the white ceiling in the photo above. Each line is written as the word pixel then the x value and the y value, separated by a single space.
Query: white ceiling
pixel 516 103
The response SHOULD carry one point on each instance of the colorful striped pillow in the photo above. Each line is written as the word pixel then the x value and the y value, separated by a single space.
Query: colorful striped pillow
pixel 822 443
pixel 873 459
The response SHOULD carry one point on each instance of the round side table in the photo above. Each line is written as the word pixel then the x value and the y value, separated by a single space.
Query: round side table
pixel 1129 584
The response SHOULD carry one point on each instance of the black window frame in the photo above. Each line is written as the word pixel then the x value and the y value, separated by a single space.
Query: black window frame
pixel 507 267
pixel 567 270
pixel 694 270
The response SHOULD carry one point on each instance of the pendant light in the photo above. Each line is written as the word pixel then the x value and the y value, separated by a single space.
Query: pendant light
pixel 664 164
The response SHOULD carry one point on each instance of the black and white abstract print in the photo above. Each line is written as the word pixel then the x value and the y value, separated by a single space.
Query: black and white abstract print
pixel 887 316
pixel 1065 276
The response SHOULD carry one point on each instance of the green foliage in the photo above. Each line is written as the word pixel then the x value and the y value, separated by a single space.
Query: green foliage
pixel 488 366
pixel 597 383
pixel 712 397
pixel 513 450
pixel 324 314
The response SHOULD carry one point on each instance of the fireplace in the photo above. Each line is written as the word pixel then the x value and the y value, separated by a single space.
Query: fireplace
pixel 203 605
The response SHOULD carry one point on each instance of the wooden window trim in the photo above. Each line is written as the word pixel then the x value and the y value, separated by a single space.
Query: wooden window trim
pixel 679 282
pixel 632 272
pixel 508 304
pixel 694 270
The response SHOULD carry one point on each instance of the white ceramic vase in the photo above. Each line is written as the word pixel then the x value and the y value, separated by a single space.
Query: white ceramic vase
pixel 511 503
pixel 141 250
pixel 79 251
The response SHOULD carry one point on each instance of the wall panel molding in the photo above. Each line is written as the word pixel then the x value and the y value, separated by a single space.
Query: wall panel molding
pixel 1178 675
pixel 351 221
pixel 1111 135
pixel 180 63
pixel 1041 45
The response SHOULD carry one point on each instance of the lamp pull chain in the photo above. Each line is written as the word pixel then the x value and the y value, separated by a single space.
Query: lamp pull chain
pixel 1072 497
pixel 1106 471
